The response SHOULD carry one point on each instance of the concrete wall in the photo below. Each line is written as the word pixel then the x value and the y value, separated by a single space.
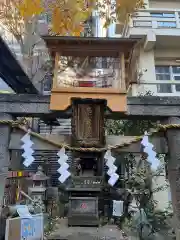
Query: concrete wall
pixel 148 61
pixel 164 4
pixel 147 67
pixel 167 56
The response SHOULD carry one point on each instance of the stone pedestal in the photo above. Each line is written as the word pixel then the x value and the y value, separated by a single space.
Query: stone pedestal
pixel 83 211
pixel 173 140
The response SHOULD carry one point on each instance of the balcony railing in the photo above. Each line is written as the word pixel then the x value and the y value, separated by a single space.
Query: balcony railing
pixel 82 183
pixel 157 88
pixel 156 19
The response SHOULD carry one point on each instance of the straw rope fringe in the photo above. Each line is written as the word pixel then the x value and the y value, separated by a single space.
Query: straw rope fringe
pixel 22 124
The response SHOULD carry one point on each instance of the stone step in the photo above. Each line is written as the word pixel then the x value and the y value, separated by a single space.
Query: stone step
pixel 107 232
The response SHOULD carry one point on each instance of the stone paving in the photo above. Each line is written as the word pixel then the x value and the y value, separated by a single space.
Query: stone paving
pixel 107 232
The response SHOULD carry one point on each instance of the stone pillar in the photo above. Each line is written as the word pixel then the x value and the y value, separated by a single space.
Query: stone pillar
pixel 173 140
pixel 35 124
pixel 4 153
pixel 16 156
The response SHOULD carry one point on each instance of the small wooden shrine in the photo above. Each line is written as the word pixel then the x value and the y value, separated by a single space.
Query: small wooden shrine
pixel 90 75
pixel 90 68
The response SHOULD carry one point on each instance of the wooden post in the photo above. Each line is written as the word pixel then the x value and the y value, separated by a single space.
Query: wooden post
pixel 55 83
pixel 123 74
pixel 173 139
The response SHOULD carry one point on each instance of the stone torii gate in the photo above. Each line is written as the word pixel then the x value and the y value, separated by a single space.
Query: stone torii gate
pixel 165 109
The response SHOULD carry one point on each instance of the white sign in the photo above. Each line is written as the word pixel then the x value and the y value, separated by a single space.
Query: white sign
pixel 117 208
pixel 32 229
pixel 23 211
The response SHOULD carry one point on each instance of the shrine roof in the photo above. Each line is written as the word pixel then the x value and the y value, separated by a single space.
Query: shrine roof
pixel 67 45
pixel 88 40
pixel 39 175
pixel 12 73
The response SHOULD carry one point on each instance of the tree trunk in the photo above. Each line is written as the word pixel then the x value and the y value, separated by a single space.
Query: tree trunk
pixel 29 43
pixel 32 63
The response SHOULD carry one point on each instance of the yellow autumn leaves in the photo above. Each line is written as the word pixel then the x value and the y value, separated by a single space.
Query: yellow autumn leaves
pixel 28 8
pixel 127 7
pixel 68 16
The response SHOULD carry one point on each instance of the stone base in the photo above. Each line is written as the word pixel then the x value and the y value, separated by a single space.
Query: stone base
pixel 107 232
pixel 83 221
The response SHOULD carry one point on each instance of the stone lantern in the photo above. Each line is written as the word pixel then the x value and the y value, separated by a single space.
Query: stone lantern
pixel 37 191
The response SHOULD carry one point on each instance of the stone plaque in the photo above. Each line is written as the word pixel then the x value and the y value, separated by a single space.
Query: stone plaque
pixel 83 207
pixel 83 211
pixel 88 124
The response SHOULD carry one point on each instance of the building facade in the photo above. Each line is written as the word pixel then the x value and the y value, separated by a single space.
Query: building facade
pixel 157 59
pixel 158 27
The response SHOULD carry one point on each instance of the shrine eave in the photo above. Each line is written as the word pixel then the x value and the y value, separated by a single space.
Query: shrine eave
pixel 12 73
pixel 91 45
pixel 88 40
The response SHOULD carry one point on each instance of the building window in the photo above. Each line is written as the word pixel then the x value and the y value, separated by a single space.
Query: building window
pixel 171 74
pixel 142 23
pixel 165 24
pixel 163 15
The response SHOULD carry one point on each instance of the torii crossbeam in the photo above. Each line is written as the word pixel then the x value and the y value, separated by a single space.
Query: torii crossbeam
pixel 137 107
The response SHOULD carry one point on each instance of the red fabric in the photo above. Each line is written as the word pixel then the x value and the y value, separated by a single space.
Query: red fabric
pixel 86 84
